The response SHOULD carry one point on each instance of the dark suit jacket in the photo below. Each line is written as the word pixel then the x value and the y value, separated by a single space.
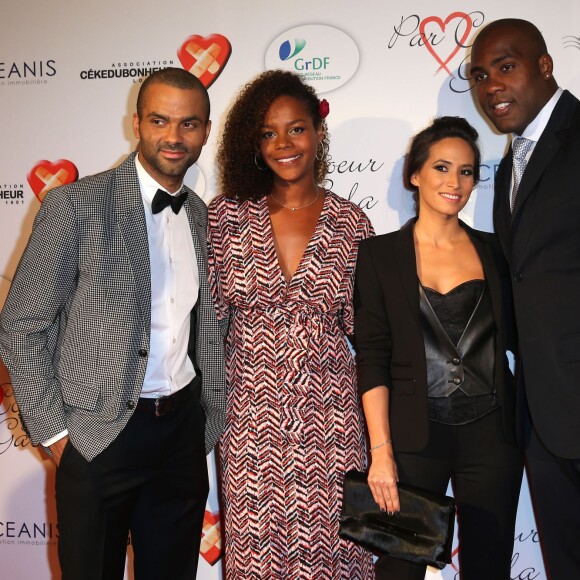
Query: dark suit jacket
pixel 389 335
pixel 542 243
pixel 74 332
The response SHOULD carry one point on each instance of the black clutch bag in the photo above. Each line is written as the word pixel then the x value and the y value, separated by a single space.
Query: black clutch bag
pixel 422 532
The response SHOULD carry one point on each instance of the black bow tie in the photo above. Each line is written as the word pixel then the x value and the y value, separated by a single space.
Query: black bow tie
pixel 162 199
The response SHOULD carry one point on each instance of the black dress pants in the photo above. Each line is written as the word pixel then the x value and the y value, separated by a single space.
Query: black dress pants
pixel 486 475
pixel 555 490
pixel 152 482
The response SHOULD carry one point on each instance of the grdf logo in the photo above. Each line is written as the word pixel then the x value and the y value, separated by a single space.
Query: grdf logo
pixel 286 51
pixel 324 57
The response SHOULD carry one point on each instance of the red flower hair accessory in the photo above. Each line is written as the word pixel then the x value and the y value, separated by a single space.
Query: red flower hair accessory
pixel 323 109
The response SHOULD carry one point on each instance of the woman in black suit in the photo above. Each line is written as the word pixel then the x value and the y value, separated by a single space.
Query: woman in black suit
pixel 433 323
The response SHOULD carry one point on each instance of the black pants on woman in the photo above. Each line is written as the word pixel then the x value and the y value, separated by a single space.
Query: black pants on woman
pixel 486 475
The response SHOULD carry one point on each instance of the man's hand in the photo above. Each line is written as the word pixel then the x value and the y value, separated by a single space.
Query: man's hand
pixel 57 448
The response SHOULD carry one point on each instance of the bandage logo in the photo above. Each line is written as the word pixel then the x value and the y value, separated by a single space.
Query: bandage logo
pixel 286 51
pixel 462 30
pixel 211 540
pixel 46 175
pixel 205 56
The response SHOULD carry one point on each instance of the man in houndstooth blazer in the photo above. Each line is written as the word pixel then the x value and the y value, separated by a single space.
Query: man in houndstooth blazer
pixel 87 314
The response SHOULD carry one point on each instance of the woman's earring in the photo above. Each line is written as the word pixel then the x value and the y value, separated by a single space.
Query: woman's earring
pixel 321 151
pixel 256 161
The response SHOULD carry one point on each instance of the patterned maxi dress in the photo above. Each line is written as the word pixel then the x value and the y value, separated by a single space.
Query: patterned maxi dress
pixel 293 422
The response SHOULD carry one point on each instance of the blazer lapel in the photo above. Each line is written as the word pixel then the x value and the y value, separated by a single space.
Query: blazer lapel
pixel 199 239
pixel 501 213
pixel 546 148
pixel 407 267
pixel 131 219
pixel 491 275
pixel 542 156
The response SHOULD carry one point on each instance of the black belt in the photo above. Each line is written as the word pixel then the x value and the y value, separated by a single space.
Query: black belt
pixel 160 406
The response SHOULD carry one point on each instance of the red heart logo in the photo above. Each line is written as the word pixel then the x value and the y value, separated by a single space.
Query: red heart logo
pixel 205 56
pixel 45 175
pixel 442 24
pixel 211 540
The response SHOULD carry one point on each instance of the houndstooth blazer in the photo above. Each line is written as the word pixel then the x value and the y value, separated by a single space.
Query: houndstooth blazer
pixel 75 329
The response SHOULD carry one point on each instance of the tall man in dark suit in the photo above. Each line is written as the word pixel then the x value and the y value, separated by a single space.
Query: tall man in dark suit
pixel 537 217
pixel 115 351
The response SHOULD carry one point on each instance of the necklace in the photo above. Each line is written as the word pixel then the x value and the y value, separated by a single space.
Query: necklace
pixel 300 206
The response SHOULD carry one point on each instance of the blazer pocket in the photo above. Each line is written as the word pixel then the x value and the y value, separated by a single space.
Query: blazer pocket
pixel 79 396
pixel 403 386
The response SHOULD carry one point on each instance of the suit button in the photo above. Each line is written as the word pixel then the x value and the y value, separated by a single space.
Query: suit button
pixel 455 361
pixel 457 381
pixel 518 277
pixel 142 352
pixel 130 404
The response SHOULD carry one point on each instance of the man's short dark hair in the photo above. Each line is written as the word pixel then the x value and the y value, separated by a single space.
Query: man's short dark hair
pixel 524 27
pixel 173 77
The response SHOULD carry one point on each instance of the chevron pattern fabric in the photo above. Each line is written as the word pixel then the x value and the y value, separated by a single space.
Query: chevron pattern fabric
pixel 293 424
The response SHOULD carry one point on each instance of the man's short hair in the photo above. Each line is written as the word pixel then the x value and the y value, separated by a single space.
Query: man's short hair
pixel 173 77
pixel 525 27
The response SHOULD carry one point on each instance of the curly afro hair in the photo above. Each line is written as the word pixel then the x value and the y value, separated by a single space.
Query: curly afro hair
pixel 239 175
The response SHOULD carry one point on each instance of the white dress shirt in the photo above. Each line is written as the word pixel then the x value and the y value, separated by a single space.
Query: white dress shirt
pixel 174 291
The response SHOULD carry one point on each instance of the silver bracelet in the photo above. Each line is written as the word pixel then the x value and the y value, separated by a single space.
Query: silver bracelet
pixel 375 447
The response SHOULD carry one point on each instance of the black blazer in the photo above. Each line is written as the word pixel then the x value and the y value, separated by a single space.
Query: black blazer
pixel 542 243
pixel 389 335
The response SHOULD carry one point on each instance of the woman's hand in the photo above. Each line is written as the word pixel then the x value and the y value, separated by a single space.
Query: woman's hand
pixel 383 479
pixel 383 471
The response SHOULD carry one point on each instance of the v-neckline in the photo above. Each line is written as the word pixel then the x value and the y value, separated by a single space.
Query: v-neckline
pixel 302 264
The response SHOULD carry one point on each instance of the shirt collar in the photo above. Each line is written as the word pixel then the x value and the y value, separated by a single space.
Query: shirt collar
pixel 535 129
pixel 147 184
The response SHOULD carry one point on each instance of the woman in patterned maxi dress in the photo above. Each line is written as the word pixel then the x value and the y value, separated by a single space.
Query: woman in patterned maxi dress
pixel 293 423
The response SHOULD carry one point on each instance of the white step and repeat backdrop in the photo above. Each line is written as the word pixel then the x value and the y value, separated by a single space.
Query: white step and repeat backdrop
pixel 69 75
